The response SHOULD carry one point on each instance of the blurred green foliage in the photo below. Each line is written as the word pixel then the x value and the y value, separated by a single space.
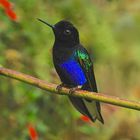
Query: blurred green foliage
pixel 109 29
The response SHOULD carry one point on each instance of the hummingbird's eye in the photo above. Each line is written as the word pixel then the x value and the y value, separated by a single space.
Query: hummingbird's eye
pixel 67 32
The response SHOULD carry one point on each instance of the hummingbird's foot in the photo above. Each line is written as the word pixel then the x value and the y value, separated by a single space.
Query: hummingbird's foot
pixel 59 87
pixel 72 90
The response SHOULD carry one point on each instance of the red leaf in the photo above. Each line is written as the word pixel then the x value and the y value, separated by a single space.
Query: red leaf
pixel 32 132
pixel 11 14
pixel 85 118
pixel 6 4
pixel 8 9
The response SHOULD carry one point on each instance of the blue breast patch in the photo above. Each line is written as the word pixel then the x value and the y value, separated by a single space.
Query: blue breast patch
pixel 74 71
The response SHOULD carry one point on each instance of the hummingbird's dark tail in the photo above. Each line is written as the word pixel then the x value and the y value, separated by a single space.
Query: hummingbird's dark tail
pixel 87 108
pixel 79 104
pixel 94 109
pixel 92 106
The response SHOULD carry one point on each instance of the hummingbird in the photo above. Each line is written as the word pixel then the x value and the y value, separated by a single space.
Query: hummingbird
pixel 74 67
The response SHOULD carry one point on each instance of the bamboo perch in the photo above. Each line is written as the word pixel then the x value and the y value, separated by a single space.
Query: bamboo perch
pixel 65 91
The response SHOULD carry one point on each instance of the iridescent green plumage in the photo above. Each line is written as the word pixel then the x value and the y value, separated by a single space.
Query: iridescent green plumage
pixel 84 59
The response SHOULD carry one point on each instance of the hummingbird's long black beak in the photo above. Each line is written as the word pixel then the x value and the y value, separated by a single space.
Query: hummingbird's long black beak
pixel 52 26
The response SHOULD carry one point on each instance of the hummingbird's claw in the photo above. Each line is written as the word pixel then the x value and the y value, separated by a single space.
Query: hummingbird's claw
pixel 59 87
pixel 72 90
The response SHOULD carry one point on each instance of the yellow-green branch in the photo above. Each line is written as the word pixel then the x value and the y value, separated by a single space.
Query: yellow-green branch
pixel 80 93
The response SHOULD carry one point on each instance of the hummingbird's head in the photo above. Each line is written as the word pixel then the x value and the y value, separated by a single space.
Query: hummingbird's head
pixel 64 31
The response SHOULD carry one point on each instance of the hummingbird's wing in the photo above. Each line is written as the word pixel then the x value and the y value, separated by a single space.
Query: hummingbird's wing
pixel 87 66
